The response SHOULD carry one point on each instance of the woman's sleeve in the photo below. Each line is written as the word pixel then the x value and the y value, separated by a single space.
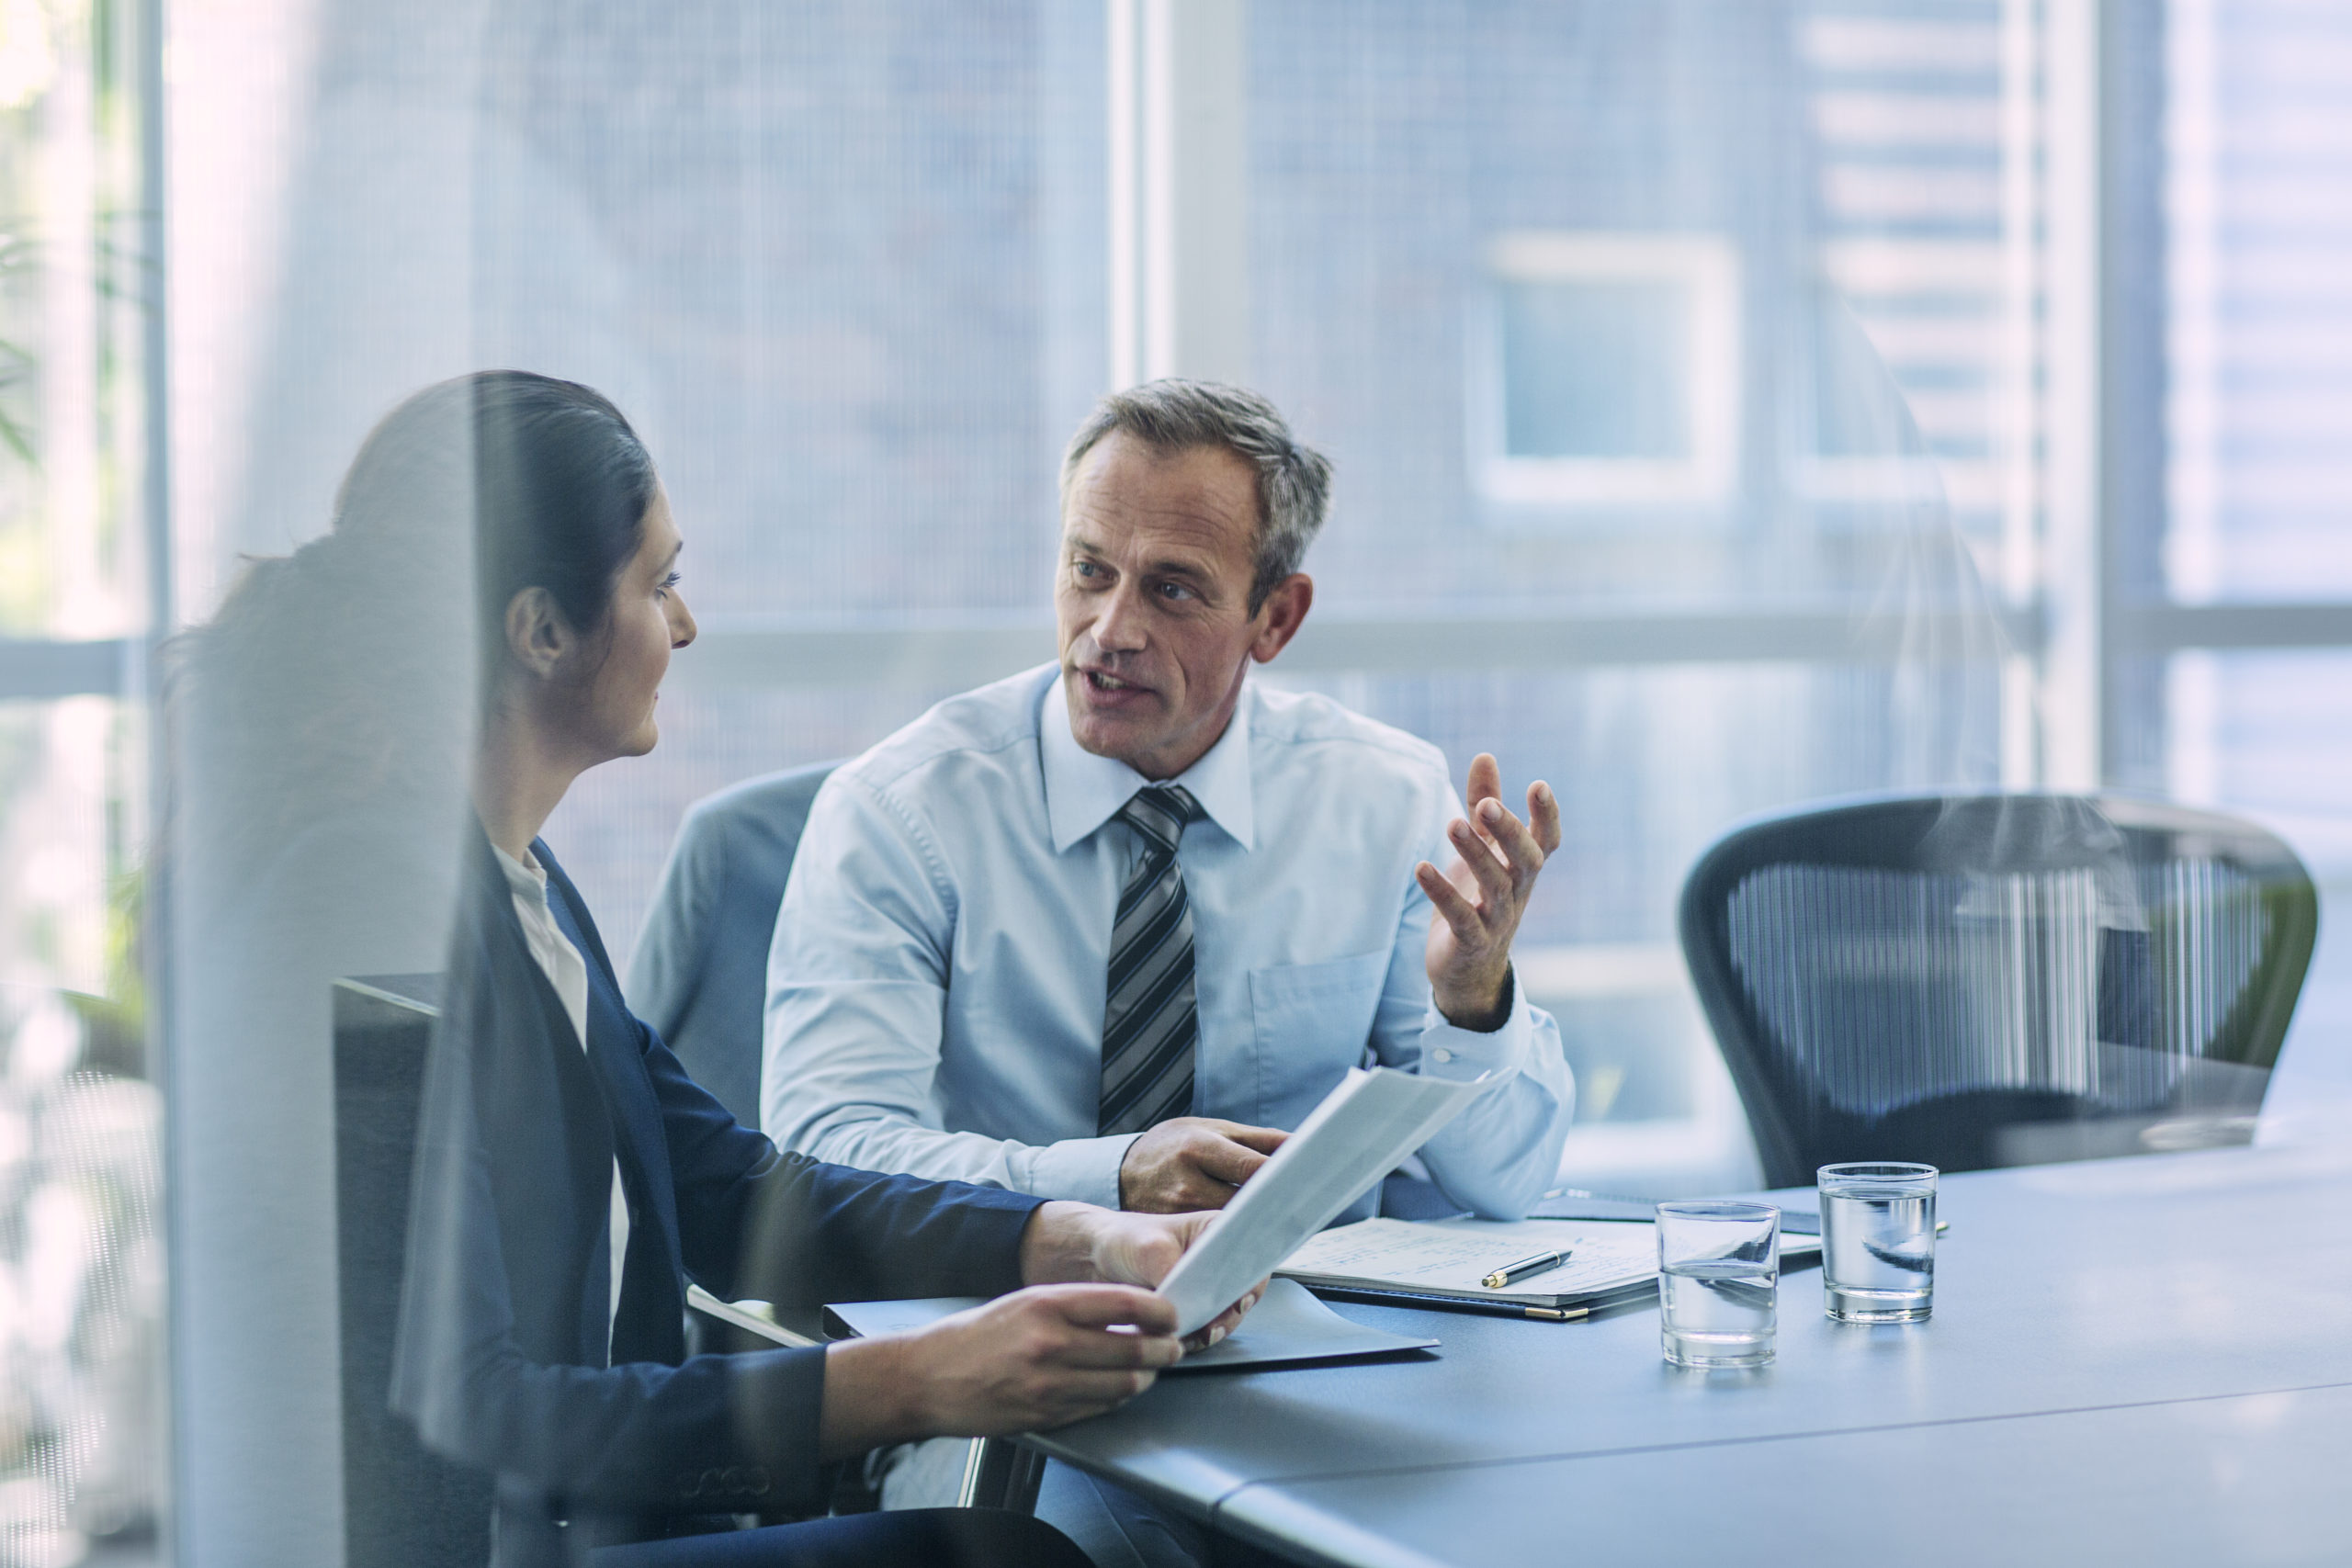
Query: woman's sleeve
pixel 782 1227
pixel 754 1222
pixel 716 1434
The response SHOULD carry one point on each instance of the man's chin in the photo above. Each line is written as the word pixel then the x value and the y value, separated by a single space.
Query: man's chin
pixel 1115 736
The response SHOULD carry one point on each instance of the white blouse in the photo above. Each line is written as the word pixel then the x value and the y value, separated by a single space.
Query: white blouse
pixel 568 973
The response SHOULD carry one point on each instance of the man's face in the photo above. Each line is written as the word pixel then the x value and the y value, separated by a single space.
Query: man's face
pixel 1152 601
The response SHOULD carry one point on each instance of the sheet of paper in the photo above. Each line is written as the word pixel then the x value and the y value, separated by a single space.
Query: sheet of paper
pixel 1456 1255
pixel 1289 1325
pixel 1364 1130
pixel 756 1317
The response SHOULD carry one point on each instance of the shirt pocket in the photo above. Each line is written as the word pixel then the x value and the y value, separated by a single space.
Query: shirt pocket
pixel 1310 1025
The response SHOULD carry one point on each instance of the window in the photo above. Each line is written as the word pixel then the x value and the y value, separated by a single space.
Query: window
pixel 1741 275
pixel 2229 684
pixel 1609 372
pixel 80 1123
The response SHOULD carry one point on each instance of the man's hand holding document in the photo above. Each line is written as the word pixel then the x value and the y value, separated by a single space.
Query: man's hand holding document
pixel 1364 1130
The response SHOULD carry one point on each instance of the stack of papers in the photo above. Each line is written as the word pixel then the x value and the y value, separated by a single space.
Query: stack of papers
pixel 1447 1259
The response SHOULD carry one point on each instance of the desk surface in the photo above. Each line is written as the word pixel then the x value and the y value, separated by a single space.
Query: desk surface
pixel 2151 1355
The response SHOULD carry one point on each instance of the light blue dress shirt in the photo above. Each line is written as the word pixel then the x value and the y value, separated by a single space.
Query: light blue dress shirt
pixel 935 985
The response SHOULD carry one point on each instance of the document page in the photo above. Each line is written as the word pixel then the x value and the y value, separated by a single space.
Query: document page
pixel 758 1317
pixel 1363 1130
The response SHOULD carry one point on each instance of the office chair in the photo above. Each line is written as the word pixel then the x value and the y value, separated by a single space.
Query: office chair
pixel 1997 979
pixel 700 971
pixel 403 1506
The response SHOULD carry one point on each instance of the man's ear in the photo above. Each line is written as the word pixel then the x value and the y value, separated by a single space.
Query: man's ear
pixel 1280 615
pixel 538 637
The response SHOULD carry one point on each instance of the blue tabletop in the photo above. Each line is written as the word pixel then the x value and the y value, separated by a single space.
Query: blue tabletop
pixel 2089 1292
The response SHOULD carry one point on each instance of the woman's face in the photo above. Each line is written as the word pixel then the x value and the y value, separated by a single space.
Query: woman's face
pixel 649 619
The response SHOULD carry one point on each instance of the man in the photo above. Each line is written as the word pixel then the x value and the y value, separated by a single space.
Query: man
pixel 1101 931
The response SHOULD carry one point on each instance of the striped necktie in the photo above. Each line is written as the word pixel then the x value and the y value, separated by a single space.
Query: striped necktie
pixel 1149 1025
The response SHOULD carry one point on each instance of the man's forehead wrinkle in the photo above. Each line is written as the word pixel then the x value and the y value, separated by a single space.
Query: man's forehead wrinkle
pixel 1189 515
pixel 1170 535
pixel 1208 482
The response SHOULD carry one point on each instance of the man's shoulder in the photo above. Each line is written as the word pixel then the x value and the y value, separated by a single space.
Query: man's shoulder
pixel 1313 726
pixel 995 725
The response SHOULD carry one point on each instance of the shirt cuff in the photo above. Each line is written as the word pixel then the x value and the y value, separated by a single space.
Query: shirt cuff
pixel 1460 1054
pixel 1083 1170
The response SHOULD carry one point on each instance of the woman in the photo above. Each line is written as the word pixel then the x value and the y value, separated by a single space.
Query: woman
pixel 571 1179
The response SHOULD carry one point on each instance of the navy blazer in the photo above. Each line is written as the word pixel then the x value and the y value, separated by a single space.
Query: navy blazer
pixel 501 1360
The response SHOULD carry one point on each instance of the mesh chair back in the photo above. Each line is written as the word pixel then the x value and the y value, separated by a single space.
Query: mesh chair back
pixel 1997 979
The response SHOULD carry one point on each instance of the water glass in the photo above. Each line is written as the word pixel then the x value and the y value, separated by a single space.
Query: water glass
pixel 1878 1241
pixel 1718 1282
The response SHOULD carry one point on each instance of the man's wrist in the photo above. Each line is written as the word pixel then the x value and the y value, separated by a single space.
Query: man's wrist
pixel 1485 1017
pixel 1085 1170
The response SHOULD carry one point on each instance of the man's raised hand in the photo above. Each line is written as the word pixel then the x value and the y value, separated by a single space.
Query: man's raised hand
pixel 1477 900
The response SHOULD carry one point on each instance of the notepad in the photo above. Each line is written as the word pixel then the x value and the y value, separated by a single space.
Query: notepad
pixel 1287 1328
pixel 1447 1259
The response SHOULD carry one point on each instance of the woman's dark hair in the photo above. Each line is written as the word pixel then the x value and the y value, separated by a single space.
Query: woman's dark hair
pixel 344 681
pixel 561 484
pixel 557 493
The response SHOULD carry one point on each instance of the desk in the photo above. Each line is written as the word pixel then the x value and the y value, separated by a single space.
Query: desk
pixel 2145 1360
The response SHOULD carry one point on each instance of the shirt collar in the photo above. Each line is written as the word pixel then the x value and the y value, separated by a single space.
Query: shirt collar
pixel 527 882
pixel 1084 791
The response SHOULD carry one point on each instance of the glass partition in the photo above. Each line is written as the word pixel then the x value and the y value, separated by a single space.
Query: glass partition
pixel 1735 404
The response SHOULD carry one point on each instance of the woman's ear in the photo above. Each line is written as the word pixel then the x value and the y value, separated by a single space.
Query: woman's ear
pixel 538 637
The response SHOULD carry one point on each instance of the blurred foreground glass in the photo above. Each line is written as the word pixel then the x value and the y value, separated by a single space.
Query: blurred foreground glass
pixel 1718 1281
pixel 1878 1242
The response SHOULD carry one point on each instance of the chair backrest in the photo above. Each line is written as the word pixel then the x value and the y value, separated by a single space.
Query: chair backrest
pixel 1997 979
pixel 700 971
pixel 403 1506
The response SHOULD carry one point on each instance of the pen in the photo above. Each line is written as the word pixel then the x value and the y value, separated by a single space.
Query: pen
pixel 1542 1262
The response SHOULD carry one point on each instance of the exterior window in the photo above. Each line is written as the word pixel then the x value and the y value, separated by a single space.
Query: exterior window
pixel 1609 371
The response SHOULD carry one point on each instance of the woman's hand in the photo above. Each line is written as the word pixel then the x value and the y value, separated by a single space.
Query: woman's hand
pixel 1035 1358
pixel 1079 1241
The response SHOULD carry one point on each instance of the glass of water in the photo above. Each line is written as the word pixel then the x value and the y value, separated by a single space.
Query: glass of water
pixel 1718 1281
pixel 1878 1241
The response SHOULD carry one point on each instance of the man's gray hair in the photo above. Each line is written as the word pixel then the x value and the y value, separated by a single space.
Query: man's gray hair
pixel 1171 414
